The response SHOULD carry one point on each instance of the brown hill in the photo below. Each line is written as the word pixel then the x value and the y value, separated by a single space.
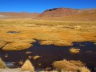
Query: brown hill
pixel 58 12
pixel 67 14
pixel 18 15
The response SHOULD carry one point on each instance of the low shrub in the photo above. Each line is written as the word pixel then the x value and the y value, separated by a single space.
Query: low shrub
pixel 71 65
pixel 74 50
pixel 28 66
pixel 2 64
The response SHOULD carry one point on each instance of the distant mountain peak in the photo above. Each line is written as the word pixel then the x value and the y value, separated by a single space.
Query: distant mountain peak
pixel 57 12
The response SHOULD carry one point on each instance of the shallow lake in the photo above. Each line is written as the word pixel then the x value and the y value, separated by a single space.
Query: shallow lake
pixel 52 53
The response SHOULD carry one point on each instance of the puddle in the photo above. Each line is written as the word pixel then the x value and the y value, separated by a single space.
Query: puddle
pixel 51 53
pixel 13 32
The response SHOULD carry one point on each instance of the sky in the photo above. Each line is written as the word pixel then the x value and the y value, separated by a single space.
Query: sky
pixel 41 5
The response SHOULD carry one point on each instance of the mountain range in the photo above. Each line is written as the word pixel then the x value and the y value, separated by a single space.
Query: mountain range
pixel 65 14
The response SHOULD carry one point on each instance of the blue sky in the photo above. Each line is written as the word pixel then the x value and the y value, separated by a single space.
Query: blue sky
pixel 41 5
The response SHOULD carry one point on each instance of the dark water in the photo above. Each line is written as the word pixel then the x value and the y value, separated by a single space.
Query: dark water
pixel 13 32
pixel 52 53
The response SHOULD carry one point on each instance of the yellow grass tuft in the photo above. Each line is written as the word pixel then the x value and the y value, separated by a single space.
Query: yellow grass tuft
pixel 2 64
pixel 27 40
pixel 84 69
pixel 77 63
pixel 36 57
pixel 63 43
pixel 46 42
pixel 28 66
pixel 16 46
pixel 47 68
pixel 29 57
pixel 2 43
pixel 28 52
pixel 20 62
pixel 71 65
pixel 74 50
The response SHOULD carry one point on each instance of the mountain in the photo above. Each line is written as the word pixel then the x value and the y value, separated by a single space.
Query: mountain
pixel 63 14
pixel 58 12
pixel 68 14
pixel 18 15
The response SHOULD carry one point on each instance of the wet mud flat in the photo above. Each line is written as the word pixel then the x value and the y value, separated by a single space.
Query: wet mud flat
pixel 50 53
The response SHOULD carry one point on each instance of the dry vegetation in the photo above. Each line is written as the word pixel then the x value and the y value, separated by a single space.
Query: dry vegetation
pixel 59 33
pixel 71 65
pixel 27 66
pixel 2 64
pixel 21 62
pixel 2 43
pixel 28 52
pixel 84 69
pixel 74 50
pixel 16 46
pixel 46 42
pixel 36 57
